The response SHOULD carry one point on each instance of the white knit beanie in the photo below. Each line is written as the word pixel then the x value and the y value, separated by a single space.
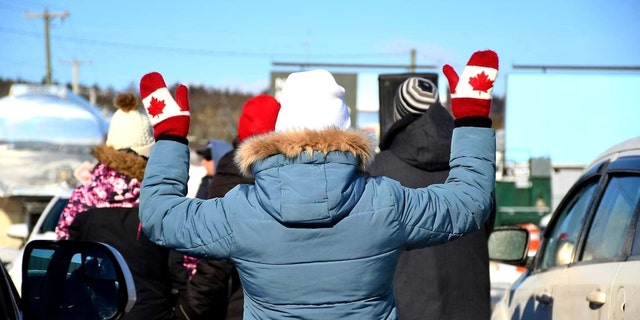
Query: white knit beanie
pixel 312 100
pixel 130 126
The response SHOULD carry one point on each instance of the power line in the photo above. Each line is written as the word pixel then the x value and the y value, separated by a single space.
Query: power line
pixel 353 65
pixel 411 67
pixel 544 68
pixel 197 51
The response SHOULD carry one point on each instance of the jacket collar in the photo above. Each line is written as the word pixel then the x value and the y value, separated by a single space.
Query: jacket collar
pixel 293 143
pixel 127 163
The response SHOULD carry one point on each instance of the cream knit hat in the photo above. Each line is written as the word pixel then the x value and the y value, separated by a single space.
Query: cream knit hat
pixel 312 100
pixel 130 126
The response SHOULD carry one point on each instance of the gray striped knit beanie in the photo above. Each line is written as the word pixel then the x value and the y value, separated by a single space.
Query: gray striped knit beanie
pixel 415 95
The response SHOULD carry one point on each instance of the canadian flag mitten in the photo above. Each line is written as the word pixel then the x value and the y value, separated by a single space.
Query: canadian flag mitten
pixel 170 118
pixel 471 92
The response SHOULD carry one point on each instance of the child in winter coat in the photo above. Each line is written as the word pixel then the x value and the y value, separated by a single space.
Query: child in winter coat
pixel 105 209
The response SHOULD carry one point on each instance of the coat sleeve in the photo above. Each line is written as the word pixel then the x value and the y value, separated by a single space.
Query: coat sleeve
pixel 460 205
pixel 196 227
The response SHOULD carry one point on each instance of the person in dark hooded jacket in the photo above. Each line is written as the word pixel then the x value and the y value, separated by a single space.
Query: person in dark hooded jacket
pixel 431 282
pixel 105 209
pixel 211 155
pixel 214 291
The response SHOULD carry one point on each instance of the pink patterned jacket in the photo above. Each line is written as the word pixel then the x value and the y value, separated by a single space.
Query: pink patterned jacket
pixel 107 188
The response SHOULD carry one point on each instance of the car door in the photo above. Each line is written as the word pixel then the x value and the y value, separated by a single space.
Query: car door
pixel 588 289
pixel 627 283
pixel 533 297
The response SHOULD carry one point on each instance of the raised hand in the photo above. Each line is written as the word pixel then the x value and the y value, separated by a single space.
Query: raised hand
pixel 471 92
pixel 168 116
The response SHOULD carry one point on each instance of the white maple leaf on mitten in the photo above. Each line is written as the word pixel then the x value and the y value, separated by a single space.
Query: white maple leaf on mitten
pixel 168 116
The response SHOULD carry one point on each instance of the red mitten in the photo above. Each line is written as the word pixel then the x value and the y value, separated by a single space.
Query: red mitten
pixel 471 93
pixel 167 116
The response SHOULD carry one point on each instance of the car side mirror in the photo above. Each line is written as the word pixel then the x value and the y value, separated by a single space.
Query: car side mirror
pixel 509 245
pixel 18 231
pixel 75 280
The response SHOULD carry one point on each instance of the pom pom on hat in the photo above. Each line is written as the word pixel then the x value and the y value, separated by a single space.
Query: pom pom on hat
pixel 312 100
pixel 415 95
pixel 130 127
pixel 258 116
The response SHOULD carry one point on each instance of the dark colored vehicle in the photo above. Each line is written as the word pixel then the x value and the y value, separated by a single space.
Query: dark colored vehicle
pixel 68 280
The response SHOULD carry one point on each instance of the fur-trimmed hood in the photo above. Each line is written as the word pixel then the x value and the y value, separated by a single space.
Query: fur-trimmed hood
pixel 292 143
pixel 307 177
pixel 127 163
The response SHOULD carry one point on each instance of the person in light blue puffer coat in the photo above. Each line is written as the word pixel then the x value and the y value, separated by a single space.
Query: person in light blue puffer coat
pixel 315 237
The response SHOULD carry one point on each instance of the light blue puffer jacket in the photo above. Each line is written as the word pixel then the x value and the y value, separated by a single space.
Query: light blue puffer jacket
pixel 315 238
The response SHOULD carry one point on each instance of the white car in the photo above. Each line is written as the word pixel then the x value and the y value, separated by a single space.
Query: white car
pixel 44 229
pixel 588 264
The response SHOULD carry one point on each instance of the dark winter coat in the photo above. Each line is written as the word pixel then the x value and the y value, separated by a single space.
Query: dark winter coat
pixel 146 260
pixel 214 291
pixel 203 188
pixel 106 210
pixel 451 280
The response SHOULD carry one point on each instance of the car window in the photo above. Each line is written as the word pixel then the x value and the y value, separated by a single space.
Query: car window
pixel 51 220
pixel 75 280
pixel 559 245
pixel 612 220
pixel 635 249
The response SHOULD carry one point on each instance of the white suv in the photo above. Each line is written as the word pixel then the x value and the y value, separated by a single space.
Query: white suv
pixel 588 265
pixel 44 229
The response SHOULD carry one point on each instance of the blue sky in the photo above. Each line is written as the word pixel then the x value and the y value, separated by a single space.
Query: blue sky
pixel 569 117
pixel 233 44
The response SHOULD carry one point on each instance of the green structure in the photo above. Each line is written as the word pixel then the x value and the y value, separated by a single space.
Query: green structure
pixel 518 203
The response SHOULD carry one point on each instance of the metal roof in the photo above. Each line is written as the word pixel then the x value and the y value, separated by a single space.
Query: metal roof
pixel 46 132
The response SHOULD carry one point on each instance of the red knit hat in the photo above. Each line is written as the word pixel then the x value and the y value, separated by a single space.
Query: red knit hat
pixel 258 116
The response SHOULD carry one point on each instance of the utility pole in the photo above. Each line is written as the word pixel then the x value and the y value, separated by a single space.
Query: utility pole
pixel 75 66
pixel 47 16
pixel 412 67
